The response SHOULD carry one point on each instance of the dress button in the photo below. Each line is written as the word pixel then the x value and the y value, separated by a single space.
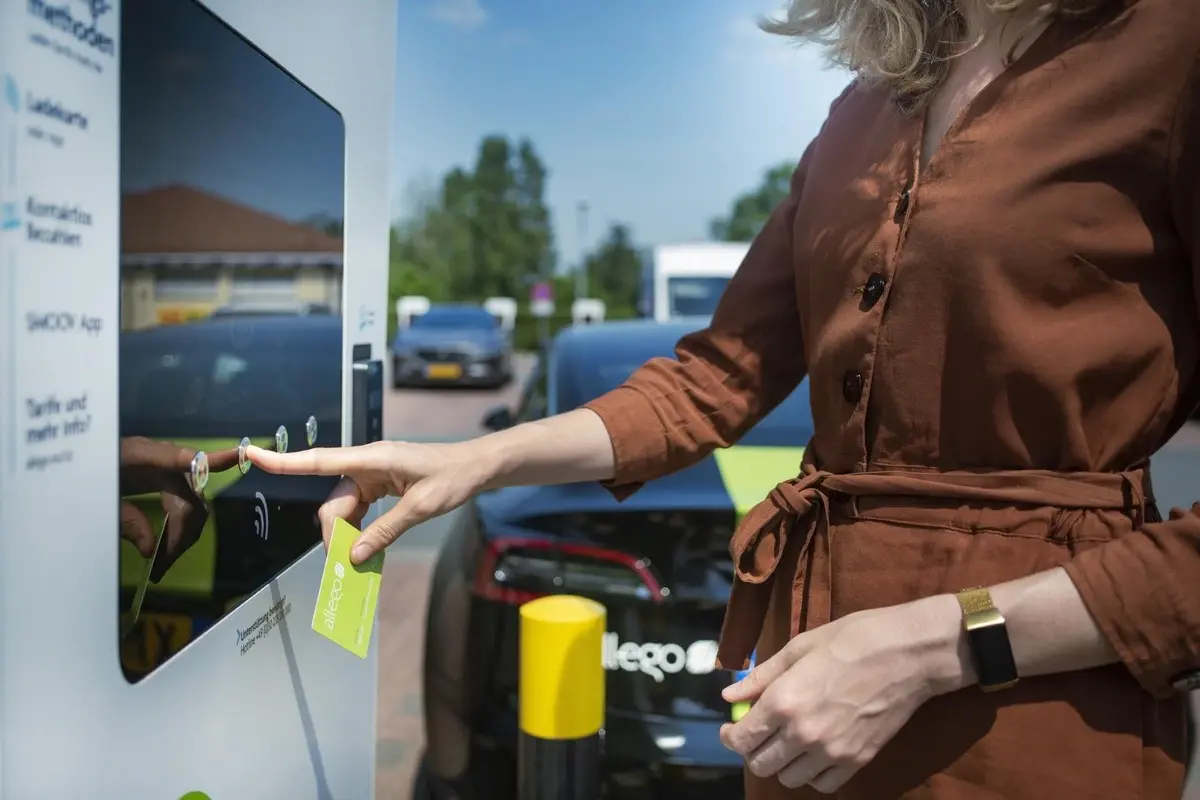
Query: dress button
pixel 873 290
pixel 1187 681
pixel 852 386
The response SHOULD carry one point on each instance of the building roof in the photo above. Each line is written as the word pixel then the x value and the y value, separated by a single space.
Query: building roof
pixel 178 219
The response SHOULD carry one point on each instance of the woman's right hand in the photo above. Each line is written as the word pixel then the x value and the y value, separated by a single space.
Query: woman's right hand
pixel 429 479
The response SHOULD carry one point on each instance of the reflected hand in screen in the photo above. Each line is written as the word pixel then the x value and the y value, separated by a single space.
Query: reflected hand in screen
pixel 429 479
pixel 149 466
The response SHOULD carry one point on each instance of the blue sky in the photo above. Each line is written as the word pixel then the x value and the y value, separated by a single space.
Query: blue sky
pixel 203 108
pixel 656 113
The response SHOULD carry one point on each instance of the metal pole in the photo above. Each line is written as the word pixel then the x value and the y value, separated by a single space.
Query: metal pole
pixel 581 282
pixel 561 699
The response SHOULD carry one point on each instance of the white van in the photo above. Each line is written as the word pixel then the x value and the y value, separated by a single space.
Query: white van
pixel 685 281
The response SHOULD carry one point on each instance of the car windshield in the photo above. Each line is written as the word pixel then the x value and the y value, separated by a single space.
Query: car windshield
pixel 695 296
pixel 590 373
pixel 231 383
pixel 455 318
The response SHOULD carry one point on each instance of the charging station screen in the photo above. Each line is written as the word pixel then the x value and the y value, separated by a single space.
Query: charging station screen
pixel 231 327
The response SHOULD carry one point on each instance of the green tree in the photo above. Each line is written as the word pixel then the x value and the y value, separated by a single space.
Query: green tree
pixel 485 232
pixel 423 250
pixel 535 222
pixel 750 210
pixel 614 271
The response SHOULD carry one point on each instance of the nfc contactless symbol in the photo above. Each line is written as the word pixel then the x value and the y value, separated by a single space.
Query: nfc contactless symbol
pixel 262 519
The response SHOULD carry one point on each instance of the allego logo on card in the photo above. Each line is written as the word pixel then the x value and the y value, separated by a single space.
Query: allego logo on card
pixel 345 607
pixel 329 613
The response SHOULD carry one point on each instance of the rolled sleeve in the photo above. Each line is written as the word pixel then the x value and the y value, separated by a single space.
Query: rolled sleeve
pixel 636 454
pixel 1143 590
pixel 671 413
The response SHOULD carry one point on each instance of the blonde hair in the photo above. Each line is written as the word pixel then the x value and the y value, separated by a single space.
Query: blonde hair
pixel 906 44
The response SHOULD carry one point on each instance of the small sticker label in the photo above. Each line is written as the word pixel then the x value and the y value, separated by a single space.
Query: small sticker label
pixel 345 612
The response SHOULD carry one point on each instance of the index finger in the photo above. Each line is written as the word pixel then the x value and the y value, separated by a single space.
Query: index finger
pixel 221 460
pixel 314 461
pixel 143 452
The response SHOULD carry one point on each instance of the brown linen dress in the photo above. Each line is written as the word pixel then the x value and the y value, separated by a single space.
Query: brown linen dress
pixel 997 342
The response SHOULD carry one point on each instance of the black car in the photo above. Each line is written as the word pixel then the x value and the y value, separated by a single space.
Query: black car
pixel 206 385
pixel 268 309
pixel 659 562
pixel 452 344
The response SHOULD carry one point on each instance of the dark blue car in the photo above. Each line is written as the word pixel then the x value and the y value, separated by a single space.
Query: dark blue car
pixel 452 345
pixel 205 385
pixel 659 563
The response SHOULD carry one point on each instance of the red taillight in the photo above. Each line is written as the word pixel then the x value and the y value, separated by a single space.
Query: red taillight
pixel 515 570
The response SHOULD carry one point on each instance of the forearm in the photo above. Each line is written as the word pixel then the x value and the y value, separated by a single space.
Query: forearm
pixel 573 447
pixel 1049 627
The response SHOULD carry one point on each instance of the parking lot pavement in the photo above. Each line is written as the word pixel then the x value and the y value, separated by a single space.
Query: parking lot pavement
pixel 404 593
pixel 418 415
pixel 448 415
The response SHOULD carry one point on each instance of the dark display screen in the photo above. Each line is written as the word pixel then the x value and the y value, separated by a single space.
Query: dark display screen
pixel 232 182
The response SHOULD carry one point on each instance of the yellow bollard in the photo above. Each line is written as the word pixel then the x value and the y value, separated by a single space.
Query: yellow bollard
pixel 561 699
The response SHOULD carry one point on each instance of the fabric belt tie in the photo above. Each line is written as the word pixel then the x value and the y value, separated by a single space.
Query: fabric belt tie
pixel 800 507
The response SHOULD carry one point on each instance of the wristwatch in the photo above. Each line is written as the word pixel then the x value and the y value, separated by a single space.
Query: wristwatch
pixel 987 636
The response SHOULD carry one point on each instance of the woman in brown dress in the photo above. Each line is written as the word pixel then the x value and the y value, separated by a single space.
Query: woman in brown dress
pixel 989 265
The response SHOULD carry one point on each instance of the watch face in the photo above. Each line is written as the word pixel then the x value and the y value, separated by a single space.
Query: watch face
pixel 993 655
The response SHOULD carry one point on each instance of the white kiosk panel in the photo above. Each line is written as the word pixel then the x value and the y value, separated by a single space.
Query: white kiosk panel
pixel 97 204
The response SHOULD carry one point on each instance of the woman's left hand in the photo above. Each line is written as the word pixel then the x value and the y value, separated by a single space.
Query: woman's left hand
pixel 825 704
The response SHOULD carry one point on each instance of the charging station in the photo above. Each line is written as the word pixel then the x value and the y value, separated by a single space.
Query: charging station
pixel 587 311
pixel 410 307
pixel 504 309
pixel 184 187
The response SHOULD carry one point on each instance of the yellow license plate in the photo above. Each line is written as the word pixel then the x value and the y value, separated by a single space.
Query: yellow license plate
pixel 154 639
pixel 444 371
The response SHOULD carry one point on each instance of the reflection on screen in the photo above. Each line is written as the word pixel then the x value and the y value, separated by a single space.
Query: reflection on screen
pixel 231 329
pixel 456 318
pixel 695 296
